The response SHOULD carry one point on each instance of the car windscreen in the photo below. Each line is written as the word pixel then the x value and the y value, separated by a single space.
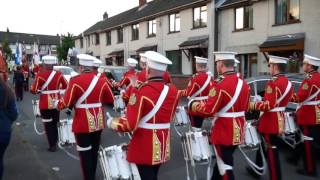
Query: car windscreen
pixel 65 71
pixel 118 73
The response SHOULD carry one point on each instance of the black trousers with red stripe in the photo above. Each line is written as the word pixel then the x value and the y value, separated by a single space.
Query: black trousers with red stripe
pixel 89 157
pixel 197 121
pixel 272 155
pixel 51 128
pixel 226 154
pixel 307 149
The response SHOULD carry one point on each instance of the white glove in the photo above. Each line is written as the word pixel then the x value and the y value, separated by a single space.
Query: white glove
pixel 55 103
pixel 109 119
pixel 256 98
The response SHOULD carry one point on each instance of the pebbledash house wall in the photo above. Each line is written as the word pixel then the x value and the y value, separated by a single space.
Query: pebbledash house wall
pixel 245 42
pixel 164 40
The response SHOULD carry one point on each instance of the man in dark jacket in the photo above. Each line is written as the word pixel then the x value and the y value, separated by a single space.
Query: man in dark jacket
pixel 18 80
pixel 8 114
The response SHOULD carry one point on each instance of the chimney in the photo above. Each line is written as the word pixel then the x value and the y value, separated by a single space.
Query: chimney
pixel 105 15
pixel 142 2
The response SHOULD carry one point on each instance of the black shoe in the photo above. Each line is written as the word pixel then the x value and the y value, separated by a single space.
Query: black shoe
pixel 52 149
pixel 292 160
pixel 305 173
pixel 252 173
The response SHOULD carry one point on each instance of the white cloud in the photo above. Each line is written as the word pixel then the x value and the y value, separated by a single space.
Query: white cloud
pixel 57 16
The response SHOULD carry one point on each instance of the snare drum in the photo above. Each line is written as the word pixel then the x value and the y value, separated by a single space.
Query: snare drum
pixel 290 126
pixel 115 166
pixel 118 103
pixel 196 146
pixel 181 116
pixel 252 137
pixel 65 133
pixel 36 109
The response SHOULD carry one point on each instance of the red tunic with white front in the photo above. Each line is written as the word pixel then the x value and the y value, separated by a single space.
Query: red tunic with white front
pixel 308 114
pixel 58 82
pixel 226 131
pixel 91 119
pixel 147 146
pixel 273 122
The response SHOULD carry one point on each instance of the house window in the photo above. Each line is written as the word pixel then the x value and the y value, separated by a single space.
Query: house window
pixel 81 42
pixel 108 38
pixel 152 28
pixel 120 35
pixel 176 58
pixel 244 18
pixel 200 17
pixel 287 11
pixel 97 37
pixel 135 31
pixel 174 22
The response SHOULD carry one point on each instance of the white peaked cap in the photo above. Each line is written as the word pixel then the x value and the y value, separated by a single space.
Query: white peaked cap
pixel 48 59
pixel 157 61
pixel 311 60
pixel 277 60
pixel 143 57
pixel 97 62
pixel 201 60
pixel 221 56
pixel 132 62
pixel 86 60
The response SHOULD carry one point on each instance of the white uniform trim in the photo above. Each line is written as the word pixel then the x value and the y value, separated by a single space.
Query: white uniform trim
pixel 88 91
pixel 279 109
pixel 79 148
pixel 48 80
pixel 50 92
pixel 46 120
pixel 143 122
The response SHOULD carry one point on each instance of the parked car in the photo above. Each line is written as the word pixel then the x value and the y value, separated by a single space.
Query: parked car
pixel 258 84
pixel 113 72
pixel 67 72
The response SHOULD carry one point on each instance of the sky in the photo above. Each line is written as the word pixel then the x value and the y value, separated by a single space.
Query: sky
pixel 54 17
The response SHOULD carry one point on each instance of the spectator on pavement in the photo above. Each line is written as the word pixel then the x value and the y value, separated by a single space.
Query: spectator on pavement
pixel 18 80
pixel 8 114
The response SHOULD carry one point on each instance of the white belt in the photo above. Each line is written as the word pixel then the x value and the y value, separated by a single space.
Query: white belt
pixel 50 92
pixel 86 106
pixel 231 114
pixel 79 148
pixel 154 126
pixel 199 98
pixel 278 109
pixel 311 103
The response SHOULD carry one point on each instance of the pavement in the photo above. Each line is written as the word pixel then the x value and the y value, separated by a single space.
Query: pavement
pixel 28 159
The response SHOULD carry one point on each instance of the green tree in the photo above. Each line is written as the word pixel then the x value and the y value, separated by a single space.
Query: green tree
pixel 6 49
pixel 63 47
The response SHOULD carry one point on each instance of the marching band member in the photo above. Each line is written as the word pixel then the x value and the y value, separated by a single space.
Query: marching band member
pixel 96 64
pixel 142 75
pixel 308 114
pixel 125 81
pixel 86 93
pixel 150 109
pixel 198 88
pixel 49 82
pixel 271 123
pixel 228 101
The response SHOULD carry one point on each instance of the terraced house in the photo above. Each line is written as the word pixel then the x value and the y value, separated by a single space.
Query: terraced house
pixel 180 29
pixel 256 28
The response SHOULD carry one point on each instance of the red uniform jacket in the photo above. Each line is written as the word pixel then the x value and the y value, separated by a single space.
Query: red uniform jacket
pixel 197 81
pixel 273 122
pixel 58 82
pixel 308 114
pixel 125 81
pixel 36 69
pixel 91 119
pixel 226 131
pixel 148 147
